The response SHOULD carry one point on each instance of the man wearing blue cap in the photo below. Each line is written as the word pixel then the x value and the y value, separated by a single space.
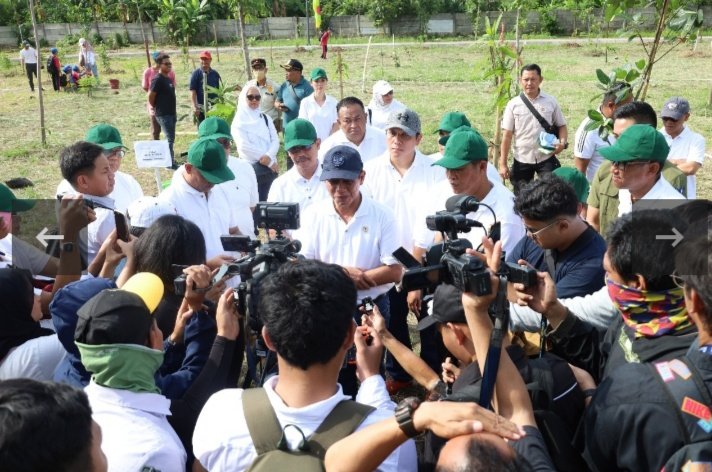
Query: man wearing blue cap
pixel 54 69
pixel 354 231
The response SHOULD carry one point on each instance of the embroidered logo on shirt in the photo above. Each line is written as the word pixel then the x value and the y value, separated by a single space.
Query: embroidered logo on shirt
pixel 364 229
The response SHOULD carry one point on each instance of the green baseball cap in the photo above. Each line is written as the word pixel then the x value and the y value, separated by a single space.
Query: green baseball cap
pixel 213 127
pixel 638 143
pixel 464 146
pixel 299 132
pixel 208 156
pixel 318 73
pixel 451 121
pixel 105 136
pixel 576 179
pixel 11 204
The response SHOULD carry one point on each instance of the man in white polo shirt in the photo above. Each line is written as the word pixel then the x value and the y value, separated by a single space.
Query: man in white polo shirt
pixel 302 183
pixel 195 193
pixel 687 148
pixel 638 156
pixel 354 231
pixel 355 131
pixel 397 179
pixel 242 190
pixel 126 189
pixel 465 161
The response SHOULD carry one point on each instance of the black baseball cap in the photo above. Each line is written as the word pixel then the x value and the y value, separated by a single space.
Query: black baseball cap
pixel 341 162
pixel 447 307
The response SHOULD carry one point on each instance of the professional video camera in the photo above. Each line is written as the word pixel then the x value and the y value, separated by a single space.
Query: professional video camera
pixel 449 263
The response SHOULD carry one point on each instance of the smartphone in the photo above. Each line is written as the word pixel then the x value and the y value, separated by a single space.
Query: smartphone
pixel 122 226
pixel 406 259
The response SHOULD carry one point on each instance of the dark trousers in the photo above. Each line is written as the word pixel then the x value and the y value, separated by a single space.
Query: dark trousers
pixel 200 119
pixel 55 81
pixel 265 177
pixel 31 69
pixel 430 340
pixel 168 126
pixel 347 374
pixel 324 48
pixel 522 173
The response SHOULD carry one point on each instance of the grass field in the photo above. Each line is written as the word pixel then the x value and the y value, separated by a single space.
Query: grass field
pixel 430 79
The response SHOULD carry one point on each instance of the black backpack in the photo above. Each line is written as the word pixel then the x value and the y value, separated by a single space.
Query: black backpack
pixel 691 402
pixel 50 65
pixel 269 440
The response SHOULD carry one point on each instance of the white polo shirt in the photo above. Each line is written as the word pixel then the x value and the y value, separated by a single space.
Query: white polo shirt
pixel 372 146
pixel 34 359
pixel 126 190
pixel 242 193
pixel 499 198
pixel 367 241
pixel 212 213
pixel 385 185
pixel 29 55
pixel 292 187
pixel 222 441
pixel 587 145
pixel 662 190
pixel 690 146
pixel 135 431
pixel 322 117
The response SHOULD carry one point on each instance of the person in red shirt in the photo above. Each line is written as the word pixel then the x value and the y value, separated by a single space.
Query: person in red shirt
pixel 324 41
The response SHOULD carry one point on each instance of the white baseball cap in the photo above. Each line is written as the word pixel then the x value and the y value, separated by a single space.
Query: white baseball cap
pixel 144 211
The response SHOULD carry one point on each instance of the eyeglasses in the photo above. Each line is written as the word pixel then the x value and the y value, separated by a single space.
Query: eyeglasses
pixel 255 98
pixel 623 165
pixel 678 280
pixel 298 149
pixel 115 153
pixel 535 233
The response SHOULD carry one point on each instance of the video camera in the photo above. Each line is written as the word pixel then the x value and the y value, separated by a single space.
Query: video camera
pixel 449 263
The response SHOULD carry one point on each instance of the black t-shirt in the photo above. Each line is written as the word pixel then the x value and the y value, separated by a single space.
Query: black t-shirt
pixel 165 95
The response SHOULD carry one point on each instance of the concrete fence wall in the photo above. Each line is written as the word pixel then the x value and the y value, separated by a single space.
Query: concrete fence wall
pixel 343 26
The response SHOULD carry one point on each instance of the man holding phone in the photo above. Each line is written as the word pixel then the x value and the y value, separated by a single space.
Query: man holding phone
pixel 290 94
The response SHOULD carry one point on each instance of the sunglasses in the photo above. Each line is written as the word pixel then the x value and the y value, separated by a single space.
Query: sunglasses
pixel 622 166
pixel 254 97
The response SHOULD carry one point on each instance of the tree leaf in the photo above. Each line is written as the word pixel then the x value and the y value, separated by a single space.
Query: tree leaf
pixel 640 64
pixel 595 115
pixel 602 77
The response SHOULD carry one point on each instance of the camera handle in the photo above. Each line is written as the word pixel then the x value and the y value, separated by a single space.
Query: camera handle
pixel 501 325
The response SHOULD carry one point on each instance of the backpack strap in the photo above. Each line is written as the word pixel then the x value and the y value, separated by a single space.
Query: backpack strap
pixel 262 423
pixel 691 400
pixel 264 117
pixel 342 421
pixel 544 124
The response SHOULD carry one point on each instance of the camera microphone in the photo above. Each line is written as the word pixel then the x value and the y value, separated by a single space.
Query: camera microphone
pixel 462 203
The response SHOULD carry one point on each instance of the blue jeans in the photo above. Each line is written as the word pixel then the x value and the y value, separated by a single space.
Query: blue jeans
pixel 168 126
pixel 94 71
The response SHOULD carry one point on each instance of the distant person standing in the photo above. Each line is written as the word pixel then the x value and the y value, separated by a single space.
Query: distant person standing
pixel 28 59
pixel 87 58
pixel 324 41
pixel 148 76
pixel 291 93
pixel 320 108
pixel 200 79
pixel 54 69
pixel 268 90
pixel 162 97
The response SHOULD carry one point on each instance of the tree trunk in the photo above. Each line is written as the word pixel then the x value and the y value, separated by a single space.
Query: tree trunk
pixel 653 51
pixel 243 41
pixel 39 76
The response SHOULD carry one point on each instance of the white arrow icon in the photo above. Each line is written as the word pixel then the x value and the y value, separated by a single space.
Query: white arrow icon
pixel 43 237
pixel 676 238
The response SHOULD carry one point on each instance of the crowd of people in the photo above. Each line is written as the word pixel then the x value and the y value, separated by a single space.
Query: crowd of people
pixel 122 348
pixel 63 77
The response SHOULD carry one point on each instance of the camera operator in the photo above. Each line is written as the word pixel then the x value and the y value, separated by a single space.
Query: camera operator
pixel 307 308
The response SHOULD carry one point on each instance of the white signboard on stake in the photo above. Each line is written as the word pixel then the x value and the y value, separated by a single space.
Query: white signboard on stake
pixel 152 154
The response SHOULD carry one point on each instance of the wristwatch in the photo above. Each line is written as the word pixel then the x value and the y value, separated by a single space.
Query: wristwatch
pixel 404 415
pixel 67 246
pixel 566 144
